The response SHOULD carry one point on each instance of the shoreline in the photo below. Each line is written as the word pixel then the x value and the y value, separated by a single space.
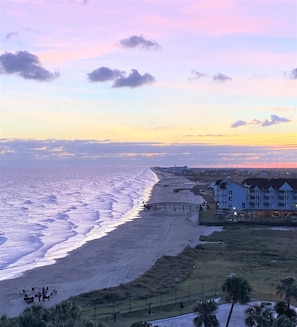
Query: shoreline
pixel 116 258
pixel 83 215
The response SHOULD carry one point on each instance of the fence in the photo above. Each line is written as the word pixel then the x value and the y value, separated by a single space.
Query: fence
pixel 172 207
pixel 181 300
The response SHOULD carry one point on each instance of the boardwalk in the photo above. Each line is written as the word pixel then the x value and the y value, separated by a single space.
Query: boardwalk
pixel 174 207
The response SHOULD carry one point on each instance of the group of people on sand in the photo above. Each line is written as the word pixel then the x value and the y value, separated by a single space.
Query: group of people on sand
pixel 42 295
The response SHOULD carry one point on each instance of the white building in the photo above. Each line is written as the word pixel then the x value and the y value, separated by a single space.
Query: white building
pixel 271 194
pixel 230 195
pixel 257 194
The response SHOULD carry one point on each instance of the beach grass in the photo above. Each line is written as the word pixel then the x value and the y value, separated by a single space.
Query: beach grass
pixel 259 254
pixel 206 216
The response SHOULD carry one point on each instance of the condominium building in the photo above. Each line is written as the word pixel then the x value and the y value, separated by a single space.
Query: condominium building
pixel 230 195
pixel 257 194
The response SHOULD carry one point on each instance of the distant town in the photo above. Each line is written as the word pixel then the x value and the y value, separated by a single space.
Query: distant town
pixel 234 173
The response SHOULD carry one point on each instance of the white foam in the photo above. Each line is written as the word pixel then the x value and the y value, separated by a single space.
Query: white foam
pixel 47 213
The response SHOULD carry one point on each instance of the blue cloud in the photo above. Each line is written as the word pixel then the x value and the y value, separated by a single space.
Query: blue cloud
pixel 103 74
pixel 293 74
pixel 61 153
pixel 274 120
pixel 26 65
pixel 134 79
pixel 120 78
pixel 136 41
pixel 238 123
pixel 221 78
pixel 197 75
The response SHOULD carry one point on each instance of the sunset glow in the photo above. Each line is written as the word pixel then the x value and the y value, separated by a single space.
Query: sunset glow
pixel 198 73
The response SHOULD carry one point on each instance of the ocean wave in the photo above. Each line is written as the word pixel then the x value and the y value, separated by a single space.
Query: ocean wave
pixel 50 199
pixel 28 202
pixel 63 210
pixel 2 239
pixel 62 215
pixel 23 247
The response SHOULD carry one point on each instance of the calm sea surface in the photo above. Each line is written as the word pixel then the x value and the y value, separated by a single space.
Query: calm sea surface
pixel 45 213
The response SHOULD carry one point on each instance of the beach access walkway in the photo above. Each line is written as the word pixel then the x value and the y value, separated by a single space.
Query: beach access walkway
pixel 173 207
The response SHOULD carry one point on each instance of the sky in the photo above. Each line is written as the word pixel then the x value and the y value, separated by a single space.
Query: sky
pixel 148 82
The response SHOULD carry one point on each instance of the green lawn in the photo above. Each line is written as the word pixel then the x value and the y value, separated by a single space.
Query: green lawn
pixel 261 255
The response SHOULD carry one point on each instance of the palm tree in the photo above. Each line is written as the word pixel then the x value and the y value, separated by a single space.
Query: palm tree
pixel 206 314
pixel 238 290
pixel 287 287
pixel 283 321
pixel 281 309
pixel 259 316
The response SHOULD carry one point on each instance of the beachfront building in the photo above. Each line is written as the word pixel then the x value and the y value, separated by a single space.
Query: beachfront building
pixel 257 194
pixel 271 194
pixel 229 195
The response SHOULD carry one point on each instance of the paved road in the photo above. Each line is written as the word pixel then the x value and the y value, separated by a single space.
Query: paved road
pixel 237 319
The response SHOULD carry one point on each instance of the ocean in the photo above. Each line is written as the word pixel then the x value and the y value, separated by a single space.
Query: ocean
pixel 45 213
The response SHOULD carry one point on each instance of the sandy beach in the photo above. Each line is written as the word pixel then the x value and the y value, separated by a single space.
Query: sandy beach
pixel 120 256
